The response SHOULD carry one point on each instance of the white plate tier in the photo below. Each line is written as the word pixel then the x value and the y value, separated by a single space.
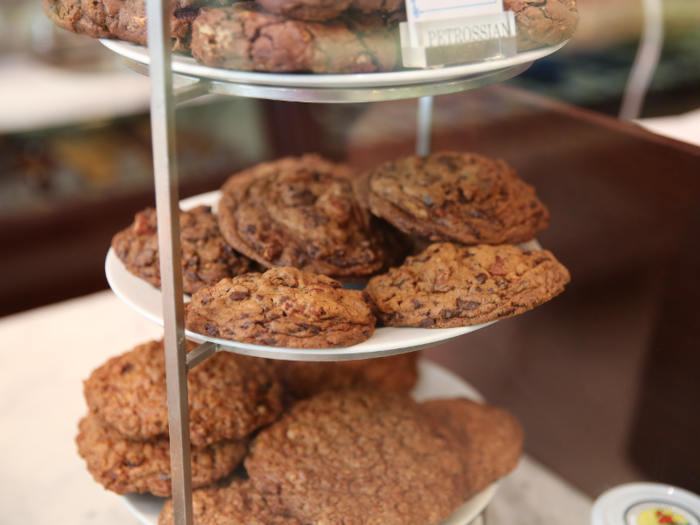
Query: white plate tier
pixel 433 382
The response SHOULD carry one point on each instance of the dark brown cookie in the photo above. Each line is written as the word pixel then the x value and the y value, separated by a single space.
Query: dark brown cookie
pixel 246 37
pixel 324 10
pixel 357 458
pixel 460 197
pixel 125 466
pixel 543 22
pixel 121 19
pixel 282 307
pixel 230 395
pixel 489 439
pixel 237 503
pixel 300 212
pixel 303 379
pixel 206 256
pixel 449 285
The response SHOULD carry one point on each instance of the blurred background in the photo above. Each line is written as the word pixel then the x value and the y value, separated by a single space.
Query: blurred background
pixel 605 378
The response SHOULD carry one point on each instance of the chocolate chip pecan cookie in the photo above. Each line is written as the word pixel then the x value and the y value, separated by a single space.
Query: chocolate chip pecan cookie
pixel 300 212
pixel 449 285
pixel 461 197
pixel 489 439
pixel 121 19
pixel 543 22
pixel 235 503
pixel 125 466
pixel 206 256
pixel 283 307
pixel 303 379
pixel 230 395
pixel 324 10
pixel 356 457
pixel 245 36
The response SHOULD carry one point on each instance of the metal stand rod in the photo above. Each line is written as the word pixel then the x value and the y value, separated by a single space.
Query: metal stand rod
pixel 425 126
pixel 166 179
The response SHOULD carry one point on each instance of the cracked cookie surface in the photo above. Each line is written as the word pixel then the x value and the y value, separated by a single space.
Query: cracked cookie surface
pixel 300 212
pixel 283 307
pixel 448 285
pixel 124 466
pixel 246 37
pixel 235 503
pixel 489 439
pixel 323 10
pixel 461 197
pixel 206 256
pixel 543 22
pixel 356 457
pixel 230 395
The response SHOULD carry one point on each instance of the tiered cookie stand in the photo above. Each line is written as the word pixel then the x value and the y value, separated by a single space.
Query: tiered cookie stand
pixel 176 79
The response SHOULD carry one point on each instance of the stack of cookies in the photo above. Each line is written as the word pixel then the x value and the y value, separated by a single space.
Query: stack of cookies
pixel 314 36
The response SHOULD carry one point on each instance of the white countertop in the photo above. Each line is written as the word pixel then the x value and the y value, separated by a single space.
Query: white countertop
pixel 47 352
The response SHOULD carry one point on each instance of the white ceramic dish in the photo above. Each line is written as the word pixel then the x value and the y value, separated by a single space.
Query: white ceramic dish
pixel 433 382
pixel 187 65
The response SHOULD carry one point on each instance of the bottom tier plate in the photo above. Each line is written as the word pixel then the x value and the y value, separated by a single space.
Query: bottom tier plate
pixel 433 382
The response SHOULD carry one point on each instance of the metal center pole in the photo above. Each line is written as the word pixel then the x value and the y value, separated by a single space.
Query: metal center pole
pixel 165 172
pixel 425 126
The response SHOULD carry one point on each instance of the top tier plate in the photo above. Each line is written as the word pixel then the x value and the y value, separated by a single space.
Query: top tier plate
pixel 490 71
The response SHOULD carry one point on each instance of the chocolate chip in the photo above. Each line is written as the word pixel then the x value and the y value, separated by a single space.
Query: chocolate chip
pixel 427 323
pixel 128 367
pixel 427 200
pixel 250 228
pixel 467 305
pixel 367 297
pixel 481 278
pixel 467 255
pixel 211 330
pixel 206 300
pixel 417 304
pixel 238 295
pixel 447 313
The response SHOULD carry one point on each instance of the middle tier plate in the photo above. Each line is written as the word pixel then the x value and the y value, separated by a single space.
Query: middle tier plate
pixel 147 301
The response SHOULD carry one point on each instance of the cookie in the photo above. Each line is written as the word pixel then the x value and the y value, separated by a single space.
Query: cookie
pixel 282 307
pixel 121 19
pixel 302 379
pixel 230 395
pixel 206 256
pixel 543 22
pixel 356 457
pixel 460 197
pixel 300 212
pixel 448 285
pixel 489 439
pixel 245 36
pixel 125 466
pixel 236 503
pixel 324 10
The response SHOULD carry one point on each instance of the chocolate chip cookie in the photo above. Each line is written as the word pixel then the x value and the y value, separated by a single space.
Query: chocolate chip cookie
pixel 543 22
pixel 300 212
pixel 121 19
pixel 356 457
pixel 449 285
pixel 489 439
pixel 245 36
pixel 283 307
pixel 235 503
pixel 324 10
pixel 230 395
pixel 206 256
pixel 125 466
pixel 303 379
pixel 460 197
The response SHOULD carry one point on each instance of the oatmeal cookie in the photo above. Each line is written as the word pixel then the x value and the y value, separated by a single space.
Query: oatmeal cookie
pixel 125 466
pixel 449 285
pixel 283 307
pixel 543 22
pixel 300 212
pixel 356 457
pixel 302 379
pixel 121 19
pixel 244 36
pixel 230 395
pixel 489 439
pixel 324 10
pixel 460 197
pixel 236 503
pixel 206 256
